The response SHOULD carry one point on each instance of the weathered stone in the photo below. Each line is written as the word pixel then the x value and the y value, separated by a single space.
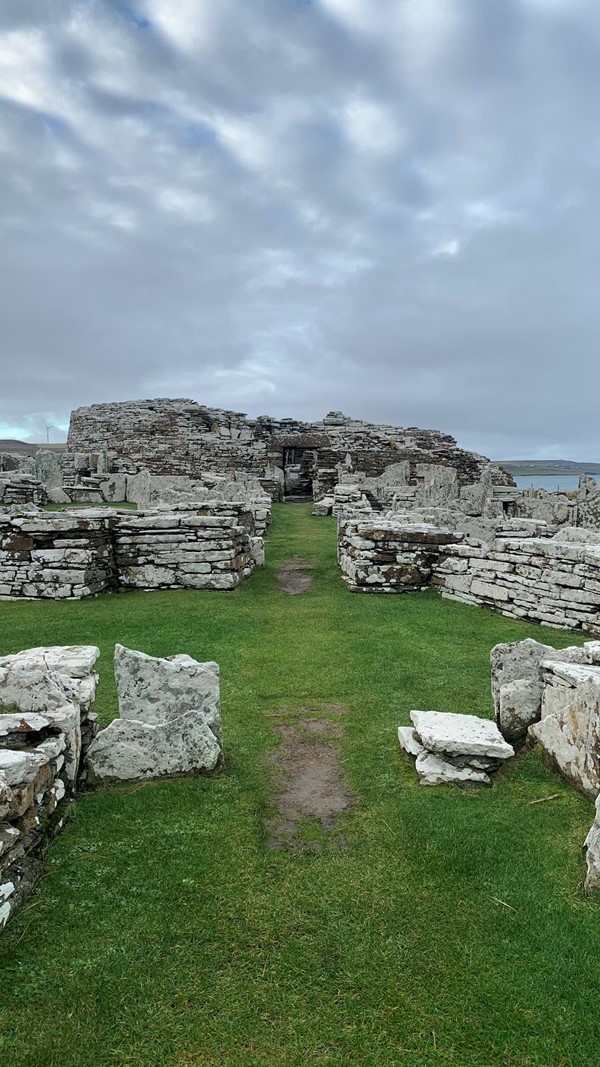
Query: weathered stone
pixel 156 690
pixel 519 706
pixel 570 732
pixel 450 734
pixel 128 749
pixel 409 741
pixel 591 848
pixel 76 661
pixel 433 770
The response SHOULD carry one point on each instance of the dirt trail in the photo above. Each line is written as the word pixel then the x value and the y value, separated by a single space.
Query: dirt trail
pixel 307 776
pixel 292 577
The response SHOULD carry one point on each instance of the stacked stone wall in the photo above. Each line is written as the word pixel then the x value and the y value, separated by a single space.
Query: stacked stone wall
pixel 60 556
pixel 46 723
pixel 540 579
pixel 70 554
pixel 379 556
pixel 183 438
pixel 182 550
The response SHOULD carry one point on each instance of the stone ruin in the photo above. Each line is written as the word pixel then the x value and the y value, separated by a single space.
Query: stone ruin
pixel 79 553
pixel 169 724
pixel 470 544
pixel 542 696
pixel 47 722
pixel 551 697
pixel 183 439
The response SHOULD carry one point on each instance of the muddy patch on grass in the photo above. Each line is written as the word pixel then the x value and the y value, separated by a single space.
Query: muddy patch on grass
pixel 308 780
pixel 292 576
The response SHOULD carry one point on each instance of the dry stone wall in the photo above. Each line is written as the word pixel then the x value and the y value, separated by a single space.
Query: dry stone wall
pixel 46 724
pixel 74 554
pixel 552 580
pixel 542 579
pixel 184 550
pixel 379 556
pixel 56 555
pixel 183 438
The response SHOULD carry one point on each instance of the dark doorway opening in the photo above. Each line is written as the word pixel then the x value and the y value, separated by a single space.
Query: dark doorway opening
pixel 299 467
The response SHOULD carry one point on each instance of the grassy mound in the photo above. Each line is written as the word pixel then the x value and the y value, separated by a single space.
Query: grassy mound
pixel 450 930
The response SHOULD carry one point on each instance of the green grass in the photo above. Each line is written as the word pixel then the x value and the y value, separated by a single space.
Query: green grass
pixel 164 934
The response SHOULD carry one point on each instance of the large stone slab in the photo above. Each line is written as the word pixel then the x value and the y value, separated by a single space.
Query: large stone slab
pixel 76 661
pixel 409 741
pixel 128 750
pixel 156 690
pixel 450 734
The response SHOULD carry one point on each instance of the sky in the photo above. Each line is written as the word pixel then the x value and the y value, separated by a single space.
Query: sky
pixel 385 207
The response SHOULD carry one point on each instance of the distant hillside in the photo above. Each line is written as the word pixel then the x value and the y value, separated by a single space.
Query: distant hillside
pixel 521 467
pixel 10 445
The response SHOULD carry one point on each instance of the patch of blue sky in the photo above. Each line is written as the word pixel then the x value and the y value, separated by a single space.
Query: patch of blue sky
pixel 54 124
pixel 129 13
pixel 201 132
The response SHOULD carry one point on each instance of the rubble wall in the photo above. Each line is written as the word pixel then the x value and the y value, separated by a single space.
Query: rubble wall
pixel 379 556
pixel 183 550
pixel 74 554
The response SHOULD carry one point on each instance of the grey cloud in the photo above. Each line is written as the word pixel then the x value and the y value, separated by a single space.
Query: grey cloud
pixel 302 209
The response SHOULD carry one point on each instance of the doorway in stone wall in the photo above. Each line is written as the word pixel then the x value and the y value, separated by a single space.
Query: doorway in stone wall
pixel 299 468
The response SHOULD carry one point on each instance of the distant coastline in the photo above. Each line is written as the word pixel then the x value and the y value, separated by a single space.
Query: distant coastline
pixel 547 468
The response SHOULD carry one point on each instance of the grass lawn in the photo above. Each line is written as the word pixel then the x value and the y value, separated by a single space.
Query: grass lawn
pixel 164 934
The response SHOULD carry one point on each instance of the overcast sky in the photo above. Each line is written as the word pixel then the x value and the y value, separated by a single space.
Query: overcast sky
pixel 385 207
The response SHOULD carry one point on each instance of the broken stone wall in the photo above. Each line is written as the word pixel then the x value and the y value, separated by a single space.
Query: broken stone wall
pixel 187 548
pixel 46 724
pixel 74 554
pixel 183 438
pixel 379 556
pixel 58 555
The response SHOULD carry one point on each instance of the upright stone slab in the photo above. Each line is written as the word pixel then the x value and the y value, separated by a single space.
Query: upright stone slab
pixel 591 848
pixel 517 683
pixel 169 724
pixel 569 729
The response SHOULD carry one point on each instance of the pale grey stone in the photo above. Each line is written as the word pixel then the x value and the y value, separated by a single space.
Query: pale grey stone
pixel 570 733
pixel 409 741
pixel 127 749
pixel 14 765
pixel 519 706
pixel 57 495
pixel 156 690
pixel 591 848
pixel 433 770
pixel 452 734
pixel 76 661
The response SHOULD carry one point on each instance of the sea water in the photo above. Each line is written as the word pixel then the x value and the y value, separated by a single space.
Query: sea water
pixel 552 483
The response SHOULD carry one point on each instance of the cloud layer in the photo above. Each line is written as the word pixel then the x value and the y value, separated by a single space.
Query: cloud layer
pixel 290 206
